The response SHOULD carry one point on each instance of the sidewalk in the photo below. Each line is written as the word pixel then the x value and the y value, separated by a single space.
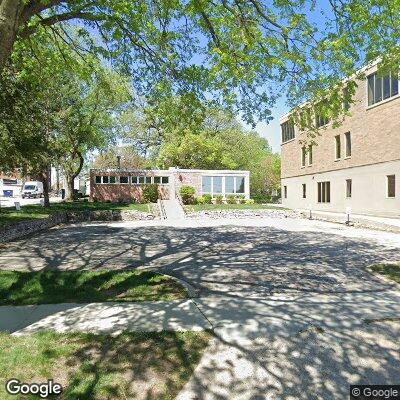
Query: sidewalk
pixel 387 223
pixel 104 318
pixel 173 209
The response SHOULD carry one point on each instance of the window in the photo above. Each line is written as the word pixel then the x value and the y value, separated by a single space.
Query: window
pixel 148 179
pixel 239 184
pixel 321 114
pixel 157 179
pixel 98 179
pixel 338 149
pixel 206 184
pixel 310 155
pixel 105 179
pixel 303 156
pixel 140 179
pixel 391 186
pixel 304 190
pixel 324 192
pixel 347 135
pixel 10 181
pixel 217 184
pixel 164 180
pixel 348 188
pixel 285 192
pixel 123 179
pixel 287 129
pixel 382 88
pixel 112 179
pixel 134 180
pixel 346 99
pixel 230 184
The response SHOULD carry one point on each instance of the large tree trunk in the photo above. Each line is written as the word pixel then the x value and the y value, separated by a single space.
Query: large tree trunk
pixel 10 14
pixel 70 177
pixel 44 178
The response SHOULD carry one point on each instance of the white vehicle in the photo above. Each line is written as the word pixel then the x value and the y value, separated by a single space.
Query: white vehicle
pixel 32 189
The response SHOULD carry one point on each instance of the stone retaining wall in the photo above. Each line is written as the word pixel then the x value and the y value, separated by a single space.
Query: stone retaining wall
pixel 238 214
pixel 28 227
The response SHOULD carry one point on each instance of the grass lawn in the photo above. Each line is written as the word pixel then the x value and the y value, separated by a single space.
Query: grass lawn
pixel 49 287
pixel 99 367
pixel 391 271
pixel 217 207
pixel 8 215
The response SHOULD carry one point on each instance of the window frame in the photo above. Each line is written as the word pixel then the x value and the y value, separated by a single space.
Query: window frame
pixel 348 145
pixel 324 192
pixel 303 156
pixel 388 177
pixel 338 148
pixel 127 180
pixel 310 155
pixel 374 98
pixel 287 131
pixel 349 188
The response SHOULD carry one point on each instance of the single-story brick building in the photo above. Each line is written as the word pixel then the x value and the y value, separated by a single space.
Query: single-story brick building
pixel 126 184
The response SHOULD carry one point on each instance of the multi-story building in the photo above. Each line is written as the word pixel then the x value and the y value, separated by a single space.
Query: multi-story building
pixel 354 166
pixel 127 184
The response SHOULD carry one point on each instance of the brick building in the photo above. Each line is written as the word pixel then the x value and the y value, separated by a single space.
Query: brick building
pixel 356 165
pixel 127 184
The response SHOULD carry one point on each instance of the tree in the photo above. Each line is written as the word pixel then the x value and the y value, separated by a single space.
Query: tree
pixel 89 118
pixel 129 158
pixel 228 147
pixel 242 53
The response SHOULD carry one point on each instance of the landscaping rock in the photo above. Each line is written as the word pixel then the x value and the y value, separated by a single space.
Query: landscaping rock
pixel 238 214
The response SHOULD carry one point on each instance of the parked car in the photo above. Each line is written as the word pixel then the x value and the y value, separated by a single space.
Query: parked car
pixel 32 189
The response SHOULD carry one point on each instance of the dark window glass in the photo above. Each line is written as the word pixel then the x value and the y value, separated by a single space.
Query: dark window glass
pixel 310 154
pixel 348 187
pixel 338 147
pixel 157 179
pixel 112 179
pixel 391 186
pixel 371 89
pixel 287 130
pixel 304 191
pixel 134 180
pixel 395 86
pixel 239 184
pixel 148 179
pixel 378 89
pixel 98 179
pixel 217 184
pixel 324 192
pixel 285 192
pixel 123 179
pixel 348 144
pixel 303 157
pixel 206 184
pixel 105 179
pixel 229 184
pixel 165 179
pixel 140 179
pixel 386 86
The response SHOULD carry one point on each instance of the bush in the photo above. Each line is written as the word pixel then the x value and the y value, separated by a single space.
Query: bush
pixel 187 194
pixel 241 199
pixel 150 193
pixel 207 198
pixel 219 199
pixel 250 201
pixel 200 200
pixel 231 199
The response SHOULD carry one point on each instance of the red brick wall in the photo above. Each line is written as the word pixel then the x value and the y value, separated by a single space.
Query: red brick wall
pixel 115 192
pixel 188 179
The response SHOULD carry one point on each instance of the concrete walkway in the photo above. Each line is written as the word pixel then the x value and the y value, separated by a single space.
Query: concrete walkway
pixel 104 318
pixel 173 210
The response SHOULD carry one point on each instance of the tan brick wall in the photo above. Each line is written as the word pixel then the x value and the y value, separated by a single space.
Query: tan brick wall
pixel 375 134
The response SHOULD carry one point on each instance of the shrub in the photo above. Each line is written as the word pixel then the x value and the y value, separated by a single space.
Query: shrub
pixel 207 198
pixel 219 199
pixel 187 194
pixel 200 200
pixel 150 193
pixel 241 199
pixel 250 201
pixel 231 199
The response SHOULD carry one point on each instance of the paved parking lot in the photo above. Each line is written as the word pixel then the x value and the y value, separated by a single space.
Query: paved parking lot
pixel 295 312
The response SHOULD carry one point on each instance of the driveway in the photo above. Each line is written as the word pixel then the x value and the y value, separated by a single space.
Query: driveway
pixel 295 313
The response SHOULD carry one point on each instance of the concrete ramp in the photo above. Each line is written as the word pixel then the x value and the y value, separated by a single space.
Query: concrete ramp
pixel 173 209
